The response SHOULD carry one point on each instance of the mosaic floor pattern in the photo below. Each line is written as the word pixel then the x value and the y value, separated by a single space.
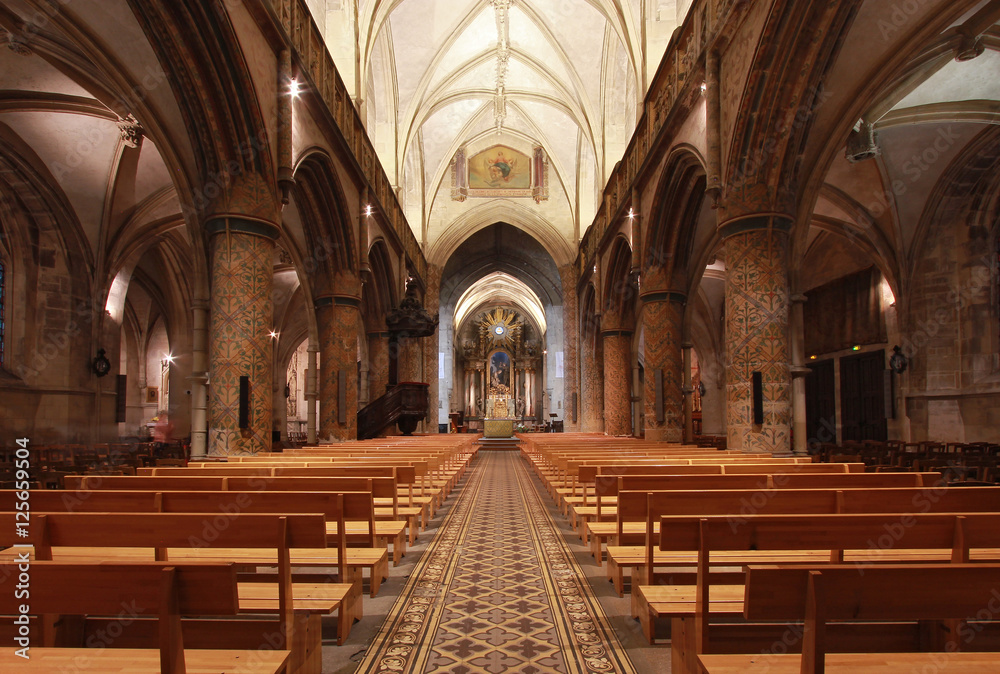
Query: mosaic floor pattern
pixel 497 591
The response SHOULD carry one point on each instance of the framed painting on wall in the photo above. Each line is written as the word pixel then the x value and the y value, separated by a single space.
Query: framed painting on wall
pixel 500 171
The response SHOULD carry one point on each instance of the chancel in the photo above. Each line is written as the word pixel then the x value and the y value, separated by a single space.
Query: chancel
pixel 507 291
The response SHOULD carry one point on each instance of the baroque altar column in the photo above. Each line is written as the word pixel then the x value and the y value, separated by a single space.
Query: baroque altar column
pixel 241 249
pixel 662 317
pixel 572 399
pixel 757 305
pixel 337 318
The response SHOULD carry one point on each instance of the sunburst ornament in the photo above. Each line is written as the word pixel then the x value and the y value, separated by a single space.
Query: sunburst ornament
pixel 501 326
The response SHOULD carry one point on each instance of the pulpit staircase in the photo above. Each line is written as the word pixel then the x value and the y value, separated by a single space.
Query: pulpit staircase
pixel 404 404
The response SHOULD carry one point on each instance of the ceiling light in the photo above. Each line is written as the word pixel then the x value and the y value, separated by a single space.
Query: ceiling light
pixel 294 88
pixel 273 334
pixel 368 210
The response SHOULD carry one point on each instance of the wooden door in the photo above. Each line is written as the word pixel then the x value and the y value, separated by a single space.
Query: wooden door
pixel 821 403
pixel 862 397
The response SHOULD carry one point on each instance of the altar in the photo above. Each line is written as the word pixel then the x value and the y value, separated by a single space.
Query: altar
pixel 498 428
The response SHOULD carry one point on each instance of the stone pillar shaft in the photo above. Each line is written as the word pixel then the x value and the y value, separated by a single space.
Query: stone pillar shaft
pixel 312 381
pixel 337 318
pixel 378 364
pixel 799 371
pixel 617 395
pixel 592 403
pixel 199 378
pixel 688 395
pixel 240 341
pixel 757 336
pixel 432 303
pixel 572 398
pixel 662 317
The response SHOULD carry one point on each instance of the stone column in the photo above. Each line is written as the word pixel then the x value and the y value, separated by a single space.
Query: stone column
pixel 432 303
pixel 378 364
pixel 312 389
pixel 662 316
pixel 617 395
pixel 199 378
pixel 337 319
pixel 688 391
pixel 757 331
pixel 799 372
pixel 592 403
pixel 572 398
pixel 242 259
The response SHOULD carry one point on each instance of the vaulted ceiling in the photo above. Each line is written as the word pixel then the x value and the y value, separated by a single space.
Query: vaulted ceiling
pixel 436 76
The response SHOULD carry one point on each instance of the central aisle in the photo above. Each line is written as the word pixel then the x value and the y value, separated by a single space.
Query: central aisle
pixel 497 590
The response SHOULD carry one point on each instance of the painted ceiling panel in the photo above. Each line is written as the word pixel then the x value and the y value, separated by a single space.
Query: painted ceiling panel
pixel 79 152
pixel 32 73
pixel 971 80
pixel 480 36
pixel 436 134
pixel 526 37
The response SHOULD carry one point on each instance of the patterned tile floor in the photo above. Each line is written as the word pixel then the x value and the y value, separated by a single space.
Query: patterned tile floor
pixel 497 590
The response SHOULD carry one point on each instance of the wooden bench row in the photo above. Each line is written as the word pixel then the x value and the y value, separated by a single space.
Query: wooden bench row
pixel 250 541
pixel 704 610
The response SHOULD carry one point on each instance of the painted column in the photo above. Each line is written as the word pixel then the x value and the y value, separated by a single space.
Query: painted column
pixel 337 319
pixel 662 316
pixel 592 403
pixel 756 329
pixel 432 304
pixel 240 345
pixel 800 440
pixel 199 378
pixel 572 398
pixel 312 388
pixel 617 394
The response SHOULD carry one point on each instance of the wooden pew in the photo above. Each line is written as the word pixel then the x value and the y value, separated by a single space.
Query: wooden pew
pixel 713 542
pixel 597 529
pixel 648 507
pixel 356 509
pixel 950 593
pixel 250 540
pixel 166 591
pixel 380 487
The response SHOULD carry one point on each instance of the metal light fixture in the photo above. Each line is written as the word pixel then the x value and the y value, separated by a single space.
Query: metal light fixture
pixel 897 361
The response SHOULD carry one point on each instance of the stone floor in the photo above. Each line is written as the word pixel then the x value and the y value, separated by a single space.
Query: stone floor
pixel 457 640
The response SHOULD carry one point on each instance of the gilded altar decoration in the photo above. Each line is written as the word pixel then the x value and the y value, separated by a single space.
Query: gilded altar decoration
pixel 500 327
